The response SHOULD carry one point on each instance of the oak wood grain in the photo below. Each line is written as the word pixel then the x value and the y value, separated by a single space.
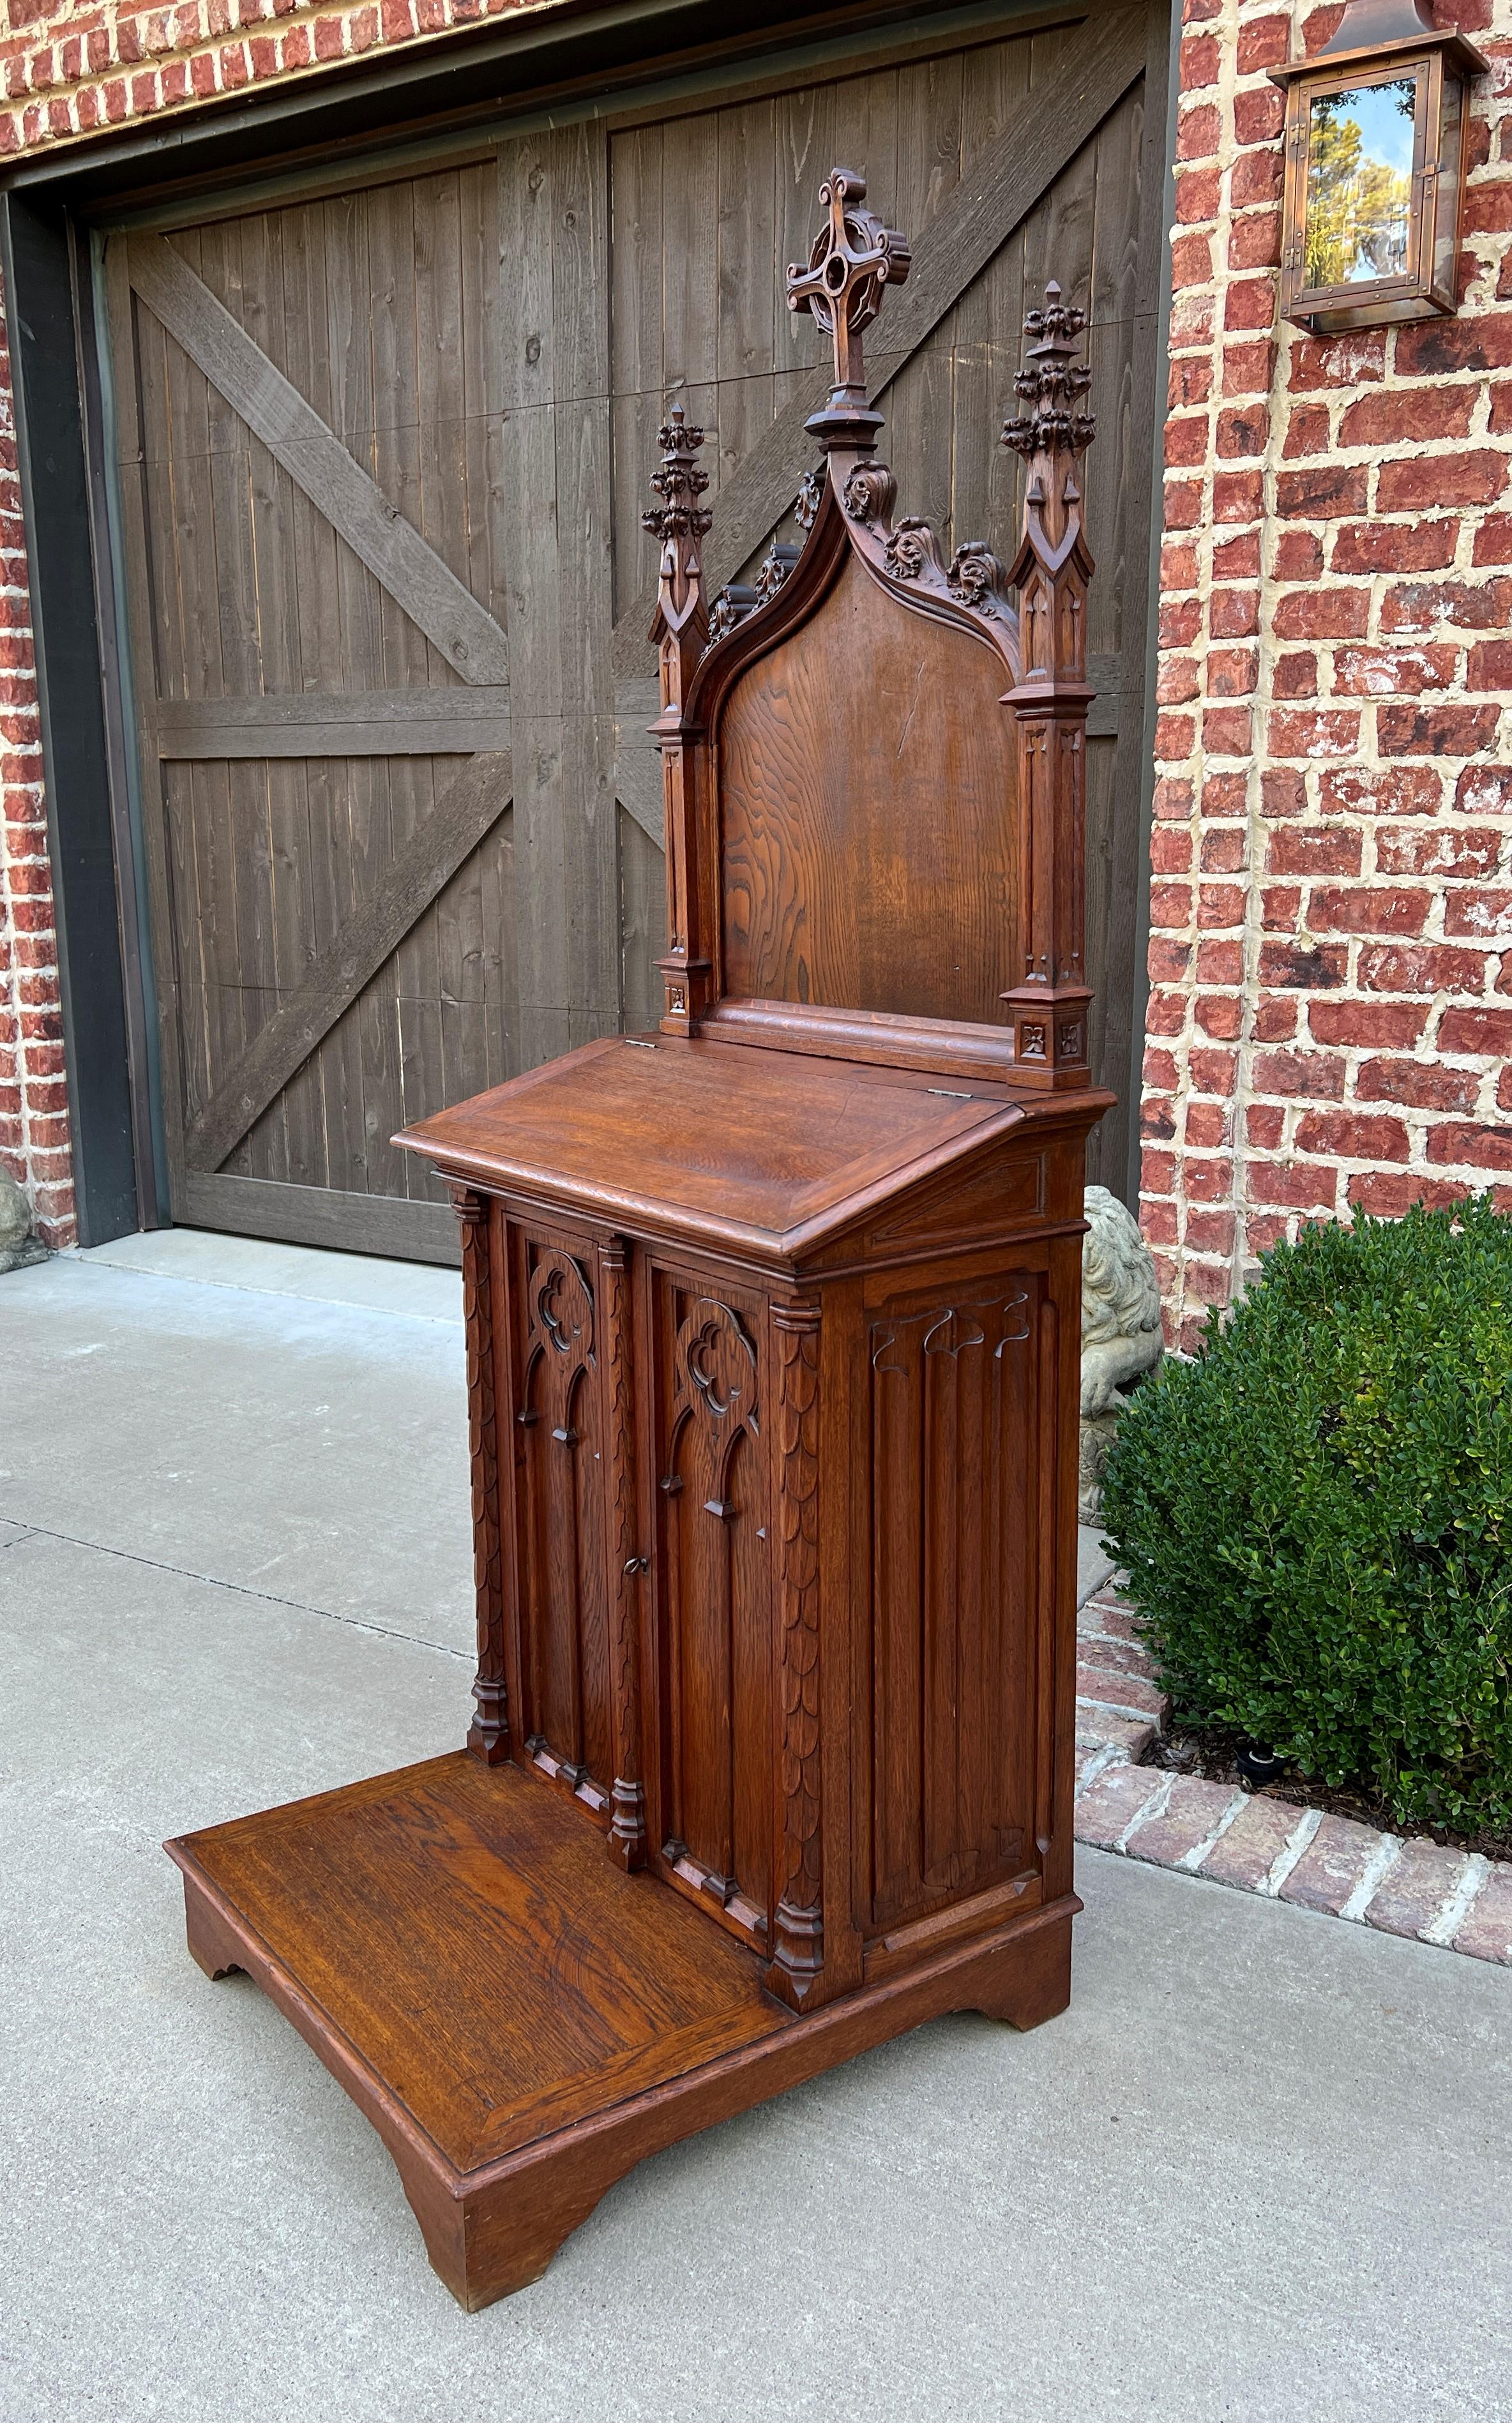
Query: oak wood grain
pixel 627 2041
pixel 826 865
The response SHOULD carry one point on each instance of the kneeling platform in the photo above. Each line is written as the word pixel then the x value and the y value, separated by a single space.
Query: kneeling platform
pixel 521 2021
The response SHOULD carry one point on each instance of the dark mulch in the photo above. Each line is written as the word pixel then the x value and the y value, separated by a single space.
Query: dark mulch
pixel 1209 1751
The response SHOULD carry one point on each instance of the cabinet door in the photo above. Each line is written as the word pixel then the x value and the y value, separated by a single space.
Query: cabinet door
pixel 714 1664
pixel 955 1454
pixel 565 1717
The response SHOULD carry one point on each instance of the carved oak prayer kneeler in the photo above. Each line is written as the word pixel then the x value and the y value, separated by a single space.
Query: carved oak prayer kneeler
pixel 772 1329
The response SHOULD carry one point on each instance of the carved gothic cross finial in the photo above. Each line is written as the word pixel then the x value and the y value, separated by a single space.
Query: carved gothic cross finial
pixel 852 258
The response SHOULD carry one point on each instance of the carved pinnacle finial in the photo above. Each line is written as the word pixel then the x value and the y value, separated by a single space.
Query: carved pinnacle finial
pixel 1051 572
pixel 1052 383
pixel 680 483
pixel 852 258
pixel 680 521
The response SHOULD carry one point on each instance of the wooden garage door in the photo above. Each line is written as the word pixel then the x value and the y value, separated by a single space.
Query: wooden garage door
pixel 383 458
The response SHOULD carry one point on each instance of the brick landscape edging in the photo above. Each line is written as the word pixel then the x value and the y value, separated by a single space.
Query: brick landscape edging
pixel 1402 1886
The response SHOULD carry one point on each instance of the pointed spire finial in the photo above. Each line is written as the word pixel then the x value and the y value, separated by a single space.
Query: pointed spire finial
pixel 1052 383
pixel 680 522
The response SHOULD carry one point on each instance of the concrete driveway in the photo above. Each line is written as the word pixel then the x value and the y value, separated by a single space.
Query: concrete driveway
pixel 1260 2170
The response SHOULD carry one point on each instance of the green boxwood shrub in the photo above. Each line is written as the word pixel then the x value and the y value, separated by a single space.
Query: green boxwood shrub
pixel 1316 1513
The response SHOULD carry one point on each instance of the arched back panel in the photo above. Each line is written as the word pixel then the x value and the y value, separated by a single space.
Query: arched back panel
pixel 866 785
pixel 873 768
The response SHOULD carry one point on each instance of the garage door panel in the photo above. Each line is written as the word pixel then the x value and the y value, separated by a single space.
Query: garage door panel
pixel 361 429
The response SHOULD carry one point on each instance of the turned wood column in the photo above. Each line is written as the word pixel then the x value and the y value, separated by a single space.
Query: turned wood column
pixel 488 1733
pixel 625 1560
pixel 1050 1002
pixel 797 1935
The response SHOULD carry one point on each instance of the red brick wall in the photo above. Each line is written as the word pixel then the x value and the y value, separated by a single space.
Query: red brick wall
pixel 1331 952
pixel 33 1097
pixel 69 70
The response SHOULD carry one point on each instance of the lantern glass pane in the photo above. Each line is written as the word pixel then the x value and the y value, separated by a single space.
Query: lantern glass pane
pixel 1360 183
pixel 1447 226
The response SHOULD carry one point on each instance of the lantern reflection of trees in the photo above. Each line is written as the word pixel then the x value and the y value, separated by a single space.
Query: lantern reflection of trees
pixel 1357 204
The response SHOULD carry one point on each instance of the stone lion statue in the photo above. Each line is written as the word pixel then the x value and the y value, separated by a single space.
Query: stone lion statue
pixel 1120 1333
pixel 17 1244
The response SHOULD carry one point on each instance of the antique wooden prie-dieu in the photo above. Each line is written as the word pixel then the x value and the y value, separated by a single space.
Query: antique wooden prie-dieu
pixel 772 1323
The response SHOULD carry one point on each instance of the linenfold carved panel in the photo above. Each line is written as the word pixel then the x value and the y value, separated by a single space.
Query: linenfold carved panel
pixel 716 1635
pixel 954 1453
pixel 566 1720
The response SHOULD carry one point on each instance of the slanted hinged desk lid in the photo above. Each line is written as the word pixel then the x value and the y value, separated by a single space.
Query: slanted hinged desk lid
pixel 761 1152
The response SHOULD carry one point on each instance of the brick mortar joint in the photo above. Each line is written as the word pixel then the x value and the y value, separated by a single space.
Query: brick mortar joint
pixel 1256 850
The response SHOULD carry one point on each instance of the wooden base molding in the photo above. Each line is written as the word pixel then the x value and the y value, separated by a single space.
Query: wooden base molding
pixel 520 2021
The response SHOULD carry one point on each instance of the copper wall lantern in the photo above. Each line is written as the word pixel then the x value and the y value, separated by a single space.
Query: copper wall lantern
pixel 1375 159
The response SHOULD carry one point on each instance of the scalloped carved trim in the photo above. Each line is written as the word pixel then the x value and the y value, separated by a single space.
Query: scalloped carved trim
pixel 730 608
pixel 778 564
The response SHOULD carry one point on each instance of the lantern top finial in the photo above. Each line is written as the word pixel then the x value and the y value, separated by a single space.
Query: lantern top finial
pixel 1369 27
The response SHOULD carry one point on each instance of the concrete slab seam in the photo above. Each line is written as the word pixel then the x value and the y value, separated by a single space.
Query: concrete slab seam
pixel 243 1590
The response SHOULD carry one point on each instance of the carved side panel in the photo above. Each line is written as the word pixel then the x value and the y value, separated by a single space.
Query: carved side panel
pixel 797 1945
pixel 488 1734
pixel 715 1645
pixel 567 1720
pixel 954 1450
pixel 628 1562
